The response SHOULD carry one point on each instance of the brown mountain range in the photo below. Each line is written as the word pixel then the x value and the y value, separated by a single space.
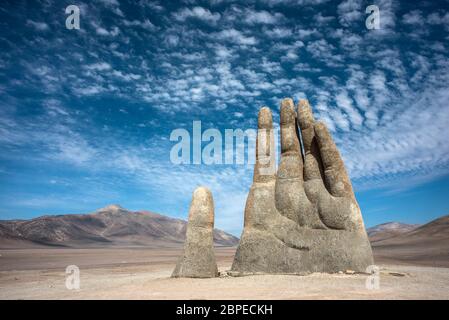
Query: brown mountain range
pixel 114 226
pixel 109 226
pixel 427 244
pixel 389 230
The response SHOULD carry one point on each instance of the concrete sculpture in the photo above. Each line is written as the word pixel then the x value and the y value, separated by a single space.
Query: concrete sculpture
pixel 198 258
pixel 304 217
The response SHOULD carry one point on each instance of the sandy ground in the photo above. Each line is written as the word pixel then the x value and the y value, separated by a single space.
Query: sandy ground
pixel 138 273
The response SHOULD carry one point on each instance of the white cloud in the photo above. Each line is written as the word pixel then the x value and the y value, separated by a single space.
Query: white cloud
pixel 323 20
pixel 262 17
pixel 305 33
pixel 278 32
pixel 350 11
pixel 324 51
pixel 235 36
pixel 114 5
pixel 110 2
pixel 126 76
pixel 39 26
pixel 103 32
pixel 273 3
pixel 197 13
pixel 439 19
pixel 88 90
pixel 223 52
pixel 345 103
pixel 100 66
pixel 145 24
pixel 413 17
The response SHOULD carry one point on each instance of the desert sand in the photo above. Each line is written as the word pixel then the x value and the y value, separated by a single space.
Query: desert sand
pixel 141 273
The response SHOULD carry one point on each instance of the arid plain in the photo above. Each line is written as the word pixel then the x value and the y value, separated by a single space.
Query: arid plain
pixel 413 262
pixel 144 273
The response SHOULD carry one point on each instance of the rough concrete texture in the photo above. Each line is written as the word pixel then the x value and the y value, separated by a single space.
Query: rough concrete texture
pixel 198 258
pixel 305 217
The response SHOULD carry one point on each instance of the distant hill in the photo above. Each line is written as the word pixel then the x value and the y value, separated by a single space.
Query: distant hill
pixel 388 230
pixel 425 245
pixel 109 226
pixel 393 242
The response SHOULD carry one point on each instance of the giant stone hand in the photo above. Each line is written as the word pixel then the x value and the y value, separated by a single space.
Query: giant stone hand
pixel 305 217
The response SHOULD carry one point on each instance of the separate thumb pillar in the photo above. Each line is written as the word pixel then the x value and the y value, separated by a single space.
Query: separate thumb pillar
pixel 198 258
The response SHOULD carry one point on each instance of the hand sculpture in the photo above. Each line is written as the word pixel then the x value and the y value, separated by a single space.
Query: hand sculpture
pixel 198 257
pixel 305 218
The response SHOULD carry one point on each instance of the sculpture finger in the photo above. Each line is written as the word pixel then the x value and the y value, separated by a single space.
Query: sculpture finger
pixel 312 160
pixel 291 164
pixel 201 213
pixel 291 200
pixel 261 195
pixel 336 177
pixel 198 258
pixel 265 167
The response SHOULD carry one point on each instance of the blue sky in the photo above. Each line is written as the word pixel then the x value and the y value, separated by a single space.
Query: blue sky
pixel 86 115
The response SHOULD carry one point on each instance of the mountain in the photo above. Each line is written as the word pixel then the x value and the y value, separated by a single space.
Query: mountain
pixel 425 245
pixel 109 226
pixel 388 230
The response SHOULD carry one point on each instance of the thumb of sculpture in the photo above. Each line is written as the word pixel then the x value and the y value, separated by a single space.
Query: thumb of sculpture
pixel 198 258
